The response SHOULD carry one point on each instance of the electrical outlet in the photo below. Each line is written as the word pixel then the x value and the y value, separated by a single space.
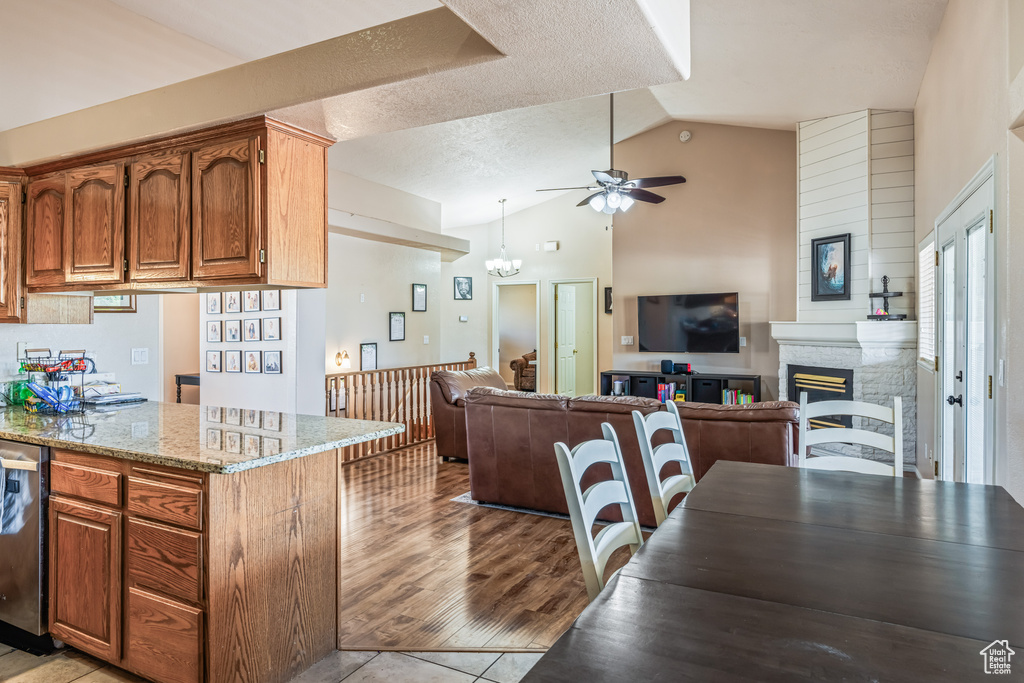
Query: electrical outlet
pixel 140 356
pixel 362 298
pixel 627 341
pixel 426 339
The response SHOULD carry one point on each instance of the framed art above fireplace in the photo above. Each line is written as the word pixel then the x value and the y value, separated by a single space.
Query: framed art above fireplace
pixel 830 268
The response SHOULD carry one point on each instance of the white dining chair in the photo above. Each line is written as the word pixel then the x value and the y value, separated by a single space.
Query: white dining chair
pixel 656 457
pixel 584 506
pixel 814 437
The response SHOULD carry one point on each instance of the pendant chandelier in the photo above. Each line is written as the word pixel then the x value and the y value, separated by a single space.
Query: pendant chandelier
pixel 503 266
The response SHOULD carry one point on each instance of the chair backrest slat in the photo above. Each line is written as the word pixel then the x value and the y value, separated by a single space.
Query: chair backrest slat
pixel 656 457
pixel 594 551
pixel 813 437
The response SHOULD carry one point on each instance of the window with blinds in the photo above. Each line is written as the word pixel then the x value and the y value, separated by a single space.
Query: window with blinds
pixel 926 302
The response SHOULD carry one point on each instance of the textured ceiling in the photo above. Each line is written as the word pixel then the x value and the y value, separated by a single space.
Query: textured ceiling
pixel 753 63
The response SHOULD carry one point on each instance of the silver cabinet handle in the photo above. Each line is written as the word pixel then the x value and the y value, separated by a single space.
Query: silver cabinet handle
pixel 19 465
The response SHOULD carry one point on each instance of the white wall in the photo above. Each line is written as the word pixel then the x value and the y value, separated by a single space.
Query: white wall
pixel 585 251
pixel 111 337
pixel 368 280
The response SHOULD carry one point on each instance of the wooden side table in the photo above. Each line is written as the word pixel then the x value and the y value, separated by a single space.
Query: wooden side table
pixel 191 379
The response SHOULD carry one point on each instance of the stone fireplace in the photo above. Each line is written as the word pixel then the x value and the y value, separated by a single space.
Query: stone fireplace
pixel 881 355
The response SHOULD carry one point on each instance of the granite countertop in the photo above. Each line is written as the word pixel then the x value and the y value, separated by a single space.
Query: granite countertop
pixel 204 438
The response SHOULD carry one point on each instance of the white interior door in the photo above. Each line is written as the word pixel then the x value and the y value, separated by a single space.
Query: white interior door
pixel 565 340
pixel 965 323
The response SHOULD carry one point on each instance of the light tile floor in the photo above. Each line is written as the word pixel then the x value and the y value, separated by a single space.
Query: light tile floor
pixel 69 666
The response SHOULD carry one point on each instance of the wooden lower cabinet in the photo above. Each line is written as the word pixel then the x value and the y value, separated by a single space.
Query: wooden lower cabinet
pixel 186 577
pixel 85 577
pixel 164 638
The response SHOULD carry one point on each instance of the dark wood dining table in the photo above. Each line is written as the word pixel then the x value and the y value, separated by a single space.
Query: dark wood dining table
pixel 769 573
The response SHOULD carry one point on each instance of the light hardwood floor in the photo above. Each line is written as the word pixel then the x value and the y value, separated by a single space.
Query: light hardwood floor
pixel 420 572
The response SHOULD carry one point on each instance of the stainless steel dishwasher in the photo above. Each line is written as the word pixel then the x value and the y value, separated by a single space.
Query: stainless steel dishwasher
pixel 24 489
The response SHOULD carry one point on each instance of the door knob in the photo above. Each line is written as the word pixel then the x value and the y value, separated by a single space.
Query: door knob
pixel 959 400
pixel 960 376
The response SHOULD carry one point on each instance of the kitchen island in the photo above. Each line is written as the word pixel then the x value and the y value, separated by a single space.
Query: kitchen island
pixel 194 543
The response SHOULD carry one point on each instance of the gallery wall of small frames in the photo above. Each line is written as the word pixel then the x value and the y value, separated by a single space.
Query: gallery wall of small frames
pixel 221 434
pixel 249 324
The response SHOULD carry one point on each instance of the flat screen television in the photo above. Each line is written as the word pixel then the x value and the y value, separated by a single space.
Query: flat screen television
pixel 689 323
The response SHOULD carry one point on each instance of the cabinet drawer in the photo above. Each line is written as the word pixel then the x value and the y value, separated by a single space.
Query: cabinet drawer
pixel 164 559
pixel 179 505
pixel 99 486
pixel 164 639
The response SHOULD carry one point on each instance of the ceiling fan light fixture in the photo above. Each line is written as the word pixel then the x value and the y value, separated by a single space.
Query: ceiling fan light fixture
pixel 597 202
pixel 614 200
pixel 627 202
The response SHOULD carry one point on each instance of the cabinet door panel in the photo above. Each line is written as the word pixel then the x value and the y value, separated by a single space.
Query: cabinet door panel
pixel 85 577
pixel 226 226
pixel 10 252
pixel 94 235
pixel 164 638
pixel 159 207
pixel 44 243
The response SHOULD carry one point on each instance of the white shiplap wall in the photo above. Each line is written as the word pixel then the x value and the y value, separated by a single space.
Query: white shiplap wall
pixel 856 175
pixel 834 199
pixel 893 251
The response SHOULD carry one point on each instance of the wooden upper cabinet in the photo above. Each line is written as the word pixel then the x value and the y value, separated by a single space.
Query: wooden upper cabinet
pixel 226 226
pixel 85 577
pixel 94 229
pixel 10 252
pixel 44 236
pixel 158 220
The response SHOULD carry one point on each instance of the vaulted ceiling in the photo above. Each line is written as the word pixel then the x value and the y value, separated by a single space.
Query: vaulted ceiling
pixel 501 128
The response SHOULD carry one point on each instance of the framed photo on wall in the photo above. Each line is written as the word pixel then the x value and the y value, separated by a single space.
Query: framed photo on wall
pixel 271 329
pixel 213 361
pixel 272 362
pixel 232 330
pixel 232 302
pixel 272 300
pixel 232 361
pixel 253 362
pixel 213 303
pixel 830 268
pixel 250 301
pixel 214 331
pixel 607 299
pixel 396 326
pixel 251 329
pixel 419 298
pixel 463 288
pixel 368 356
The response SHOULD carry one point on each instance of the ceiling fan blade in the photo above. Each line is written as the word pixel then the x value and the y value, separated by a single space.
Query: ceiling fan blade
pixel 556 189
pixel 587 200
pixel 658 181
pixel 643 195
pixel 603 177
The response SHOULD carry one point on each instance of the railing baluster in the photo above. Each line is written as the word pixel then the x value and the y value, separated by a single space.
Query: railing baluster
pixel 394 395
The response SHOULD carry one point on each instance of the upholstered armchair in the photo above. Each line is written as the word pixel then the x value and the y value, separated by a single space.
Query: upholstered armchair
pixel 526 374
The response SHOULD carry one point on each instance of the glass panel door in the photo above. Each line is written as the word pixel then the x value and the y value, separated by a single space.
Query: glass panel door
pixel 976 389
pixel 949 437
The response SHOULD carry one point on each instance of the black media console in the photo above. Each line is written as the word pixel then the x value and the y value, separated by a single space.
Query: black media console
pixel 699 387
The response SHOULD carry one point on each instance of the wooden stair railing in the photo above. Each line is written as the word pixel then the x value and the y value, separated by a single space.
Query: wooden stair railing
pixel 392 395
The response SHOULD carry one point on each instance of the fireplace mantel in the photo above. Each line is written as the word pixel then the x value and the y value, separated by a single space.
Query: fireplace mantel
pixel 894 334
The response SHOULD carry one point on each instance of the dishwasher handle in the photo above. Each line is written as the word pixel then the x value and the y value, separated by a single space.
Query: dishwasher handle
pixel 29 465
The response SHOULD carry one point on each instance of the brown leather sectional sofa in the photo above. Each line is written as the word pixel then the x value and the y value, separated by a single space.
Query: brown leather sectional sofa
pixel 511 437
pixel 448 390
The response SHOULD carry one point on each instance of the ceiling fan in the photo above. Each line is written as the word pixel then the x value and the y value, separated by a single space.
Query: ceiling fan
pixel 615 191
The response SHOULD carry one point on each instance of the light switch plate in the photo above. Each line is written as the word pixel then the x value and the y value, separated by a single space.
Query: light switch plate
pixel 627 340
pixel 743 341
pixel 140 356
pixel 426 339
pixel 463 318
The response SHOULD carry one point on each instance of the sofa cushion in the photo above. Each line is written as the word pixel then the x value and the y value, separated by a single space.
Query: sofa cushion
pixel 766 411
pixel 455 383
pixel 517 399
